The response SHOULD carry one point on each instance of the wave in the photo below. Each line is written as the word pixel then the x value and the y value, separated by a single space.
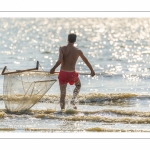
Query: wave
pixel 98 129
pixel 95 129
pixel 105 111
pixel 7 129
pixel 51 130
pixel 92 97
pixel 126 120
pixel 98 99
pixel 127 117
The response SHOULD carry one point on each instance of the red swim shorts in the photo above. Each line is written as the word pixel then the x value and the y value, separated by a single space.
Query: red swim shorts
pixel 67 77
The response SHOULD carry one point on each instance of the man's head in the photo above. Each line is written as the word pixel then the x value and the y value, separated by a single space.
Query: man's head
pixel 72 38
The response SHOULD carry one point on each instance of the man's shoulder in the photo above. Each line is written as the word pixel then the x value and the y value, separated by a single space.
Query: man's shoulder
pixel 79 50
pixel 63 46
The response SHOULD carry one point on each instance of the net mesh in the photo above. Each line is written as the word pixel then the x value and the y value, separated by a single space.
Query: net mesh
pixel 22 90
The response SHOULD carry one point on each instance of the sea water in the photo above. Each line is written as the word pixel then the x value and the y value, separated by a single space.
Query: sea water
pixel 117 99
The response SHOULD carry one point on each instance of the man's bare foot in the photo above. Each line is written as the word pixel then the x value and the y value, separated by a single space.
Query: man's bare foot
pixel 72 102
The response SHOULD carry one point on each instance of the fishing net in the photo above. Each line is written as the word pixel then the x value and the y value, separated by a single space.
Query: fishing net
pixel 24 88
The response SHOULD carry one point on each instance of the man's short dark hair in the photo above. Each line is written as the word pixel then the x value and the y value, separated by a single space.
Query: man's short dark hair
pixel 72 37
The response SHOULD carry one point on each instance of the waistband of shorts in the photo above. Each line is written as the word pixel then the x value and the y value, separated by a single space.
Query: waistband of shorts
pixel 66 71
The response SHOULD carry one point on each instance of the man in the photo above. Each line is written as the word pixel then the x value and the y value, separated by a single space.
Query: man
pixel 68 56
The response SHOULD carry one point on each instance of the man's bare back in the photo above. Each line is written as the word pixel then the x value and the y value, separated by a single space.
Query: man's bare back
pixel 68 56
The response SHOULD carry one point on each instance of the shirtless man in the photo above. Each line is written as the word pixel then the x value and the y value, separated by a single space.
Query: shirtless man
pixel 68 56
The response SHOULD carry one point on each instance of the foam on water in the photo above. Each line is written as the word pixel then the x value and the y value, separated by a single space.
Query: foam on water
pixel 91 97
pixel 98 129
pixel 2 114
pixel 7 129
pixel 132 117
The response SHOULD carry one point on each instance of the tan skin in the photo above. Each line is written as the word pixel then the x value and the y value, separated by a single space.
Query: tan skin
pixel 68 56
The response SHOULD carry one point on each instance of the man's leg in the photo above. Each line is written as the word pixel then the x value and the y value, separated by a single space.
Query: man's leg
pixel 76 92
pixel 77 89
pixel 62 95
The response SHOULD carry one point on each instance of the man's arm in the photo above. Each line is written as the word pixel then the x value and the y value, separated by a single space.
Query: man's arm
pixel 59 61
pixel 52 71
pixel 86 62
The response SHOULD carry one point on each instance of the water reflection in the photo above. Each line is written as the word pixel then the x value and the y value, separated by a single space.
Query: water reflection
pixel 114 46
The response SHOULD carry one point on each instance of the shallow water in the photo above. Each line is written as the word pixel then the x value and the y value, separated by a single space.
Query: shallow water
pixel 115 100
pixel 95 117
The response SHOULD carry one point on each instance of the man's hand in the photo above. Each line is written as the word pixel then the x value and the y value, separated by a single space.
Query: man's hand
pixel 92 73
pixel 52 71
